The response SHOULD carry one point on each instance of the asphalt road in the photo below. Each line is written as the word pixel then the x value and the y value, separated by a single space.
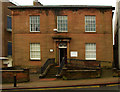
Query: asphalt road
pixel 97 88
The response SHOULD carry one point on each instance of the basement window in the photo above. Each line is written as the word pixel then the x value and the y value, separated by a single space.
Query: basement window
pixel 34 23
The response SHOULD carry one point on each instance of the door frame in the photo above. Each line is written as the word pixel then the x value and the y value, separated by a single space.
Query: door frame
pixel 59 52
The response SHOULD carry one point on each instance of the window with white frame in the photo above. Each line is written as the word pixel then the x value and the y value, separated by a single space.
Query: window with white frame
pixel 62 24
pixel 34 23
pixel 90 51
pixel 35 53
pixel 90 24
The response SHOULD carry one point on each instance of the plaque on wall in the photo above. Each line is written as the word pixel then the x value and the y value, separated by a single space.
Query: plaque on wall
pixel 51 50
pixel 74 54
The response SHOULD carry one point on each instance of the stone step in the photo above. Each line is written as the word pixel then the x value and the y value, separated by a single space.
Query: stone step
pixel 52 72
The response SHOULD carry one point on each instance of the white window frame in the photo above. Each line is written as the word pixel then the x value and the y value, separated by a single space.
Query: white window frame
pixel 31 58
pixel 91 49
pixel 36 23
pixel 66 27
pixel 91 24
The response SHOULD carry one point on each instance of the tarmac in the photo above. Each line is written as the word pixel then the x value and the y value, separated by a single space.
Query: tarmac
pixel 35 82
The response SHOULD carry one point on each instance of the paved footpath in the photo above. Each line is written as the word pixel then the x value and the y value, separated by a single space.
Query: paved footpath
pixel 35 82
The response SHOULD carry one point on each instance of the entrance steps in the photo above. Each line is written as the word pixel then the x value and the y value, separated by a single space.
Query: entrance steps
pixel 53 70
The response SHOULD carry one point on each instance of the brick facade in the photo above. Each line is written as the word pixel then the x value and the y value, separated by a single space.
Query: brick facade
pixel 22 37
pixel 6 36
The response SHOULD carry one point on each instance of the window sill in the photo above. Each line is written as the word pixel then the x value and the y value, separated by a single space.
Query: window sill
pixel 62 32
pixel 90 32
pixel 9 30
pixel 35 59
pixel 34 31
pixel 90 59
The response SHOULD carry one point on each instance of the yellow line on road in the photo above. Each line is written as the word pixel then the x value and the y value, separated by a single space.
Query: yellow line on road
pixel 60 88
pixel 113 85
pixel 66 88
pixel 57 88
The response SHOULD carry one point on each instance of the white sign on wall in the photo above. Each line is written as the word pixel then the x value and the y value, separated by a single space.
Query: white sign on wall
pixel 74 54
pixel 51 50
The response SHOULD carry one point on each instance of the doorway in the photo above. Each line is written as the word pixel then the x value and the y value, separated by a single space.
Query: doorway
pixel 62 54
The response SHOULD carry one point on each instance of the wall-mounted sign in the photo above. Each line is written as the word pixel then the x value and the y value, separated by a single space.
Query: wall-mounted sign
pixel 74 54
pixel 51 50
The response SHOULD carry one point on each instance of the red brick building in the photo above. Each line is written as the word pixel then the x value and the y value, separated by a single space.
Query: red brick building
pixel 6 33
pixel 43 32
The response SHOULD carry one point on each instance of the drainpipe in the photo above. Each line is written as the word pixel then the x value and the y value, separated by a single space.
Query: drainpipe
pixel 119 34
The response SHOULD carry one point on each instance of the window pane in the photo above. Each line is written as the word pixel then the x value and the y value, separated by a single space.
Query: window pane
pixel 90 24
pixel 9 22
pixel 34 23
pixel 9 48
pixel 35 51
pixel 90 51
pixel 62 23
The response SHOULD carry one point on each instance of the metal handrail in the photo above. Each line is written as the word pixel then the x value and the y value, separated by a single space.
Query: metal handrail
pixel 46 64
pixel 61 66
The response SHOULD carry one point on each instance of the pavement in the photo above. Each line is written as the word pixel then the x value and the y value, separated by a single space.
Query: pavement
pixel 35 82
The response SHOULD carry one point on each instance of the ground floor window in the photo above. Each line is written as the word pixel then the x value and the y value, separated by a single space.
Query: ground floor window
pixel 90 51
pixel 35 53
pixel 9 48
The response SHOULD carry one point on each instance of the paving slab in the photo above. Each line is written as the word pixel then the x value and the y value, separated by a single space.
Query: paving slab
pixel 47 83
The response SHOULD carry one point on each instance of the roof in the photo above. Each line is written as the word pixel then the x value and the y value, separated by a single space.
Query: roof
pixel 61 6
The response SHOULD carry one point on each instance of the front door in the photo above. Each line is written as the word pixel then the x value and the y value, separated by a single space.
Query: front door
pixel 62 54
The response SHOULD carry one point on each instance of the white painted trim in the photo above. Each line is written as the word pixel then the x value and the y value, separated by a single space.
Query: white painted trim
pixel 3 58
pixel 9 30
pixel 35 59
pixel 63 47
pixel 90 58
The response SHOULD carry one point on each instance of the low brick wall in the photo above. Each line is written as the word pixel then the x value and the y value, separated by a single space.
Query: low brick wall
pixel 80 74
pixel 21 75
pixel 116 73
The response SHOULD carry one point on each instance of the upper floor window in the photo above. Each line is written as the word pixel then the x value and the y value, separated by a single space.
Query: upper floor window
pixel 9 23
pixel 90 24
pixel 90 51
pixel 62 24
pixel 34 23
pixel 35 53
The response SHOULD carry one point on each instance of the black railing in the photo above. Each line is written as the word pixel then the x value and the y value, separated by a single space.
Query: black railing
pixel 61 66
pixel 47 63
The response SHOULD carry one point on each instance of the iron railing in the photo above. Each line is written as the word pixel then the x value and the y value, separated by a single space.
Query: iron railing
pixel 61 66
pixel 47 63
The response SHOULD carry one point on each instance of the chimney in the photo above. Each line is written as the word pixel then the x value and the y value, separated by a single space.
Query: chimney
pixel 37 3
pixel 4 0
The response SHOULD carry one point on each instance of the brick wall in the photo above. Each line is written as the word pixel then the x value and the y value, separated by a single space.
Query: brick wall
pixel 6 35
pixel 21 75
pixel 22 37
